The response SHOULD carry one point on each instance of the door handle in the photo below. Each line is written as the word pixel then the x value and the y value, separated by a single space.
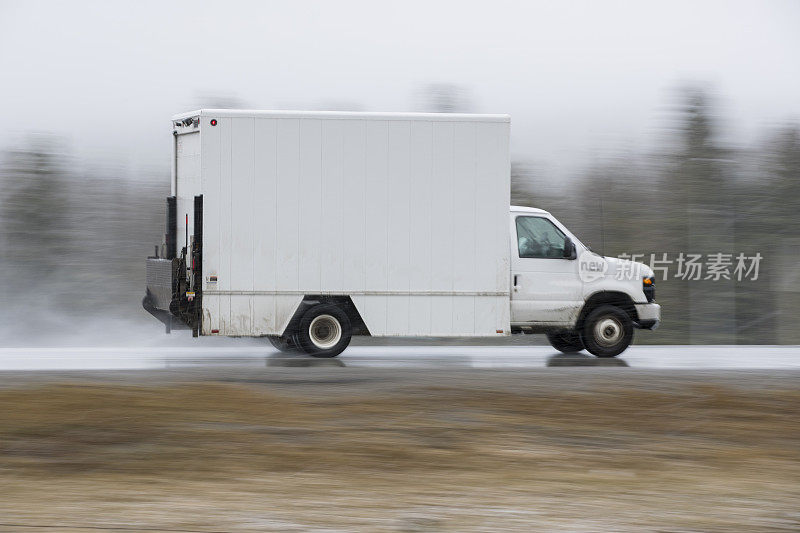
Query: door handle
pixel 515 281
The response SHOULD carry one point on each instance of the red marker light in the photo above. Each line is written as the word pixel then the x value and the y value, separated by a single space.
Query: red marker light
pixel 213 122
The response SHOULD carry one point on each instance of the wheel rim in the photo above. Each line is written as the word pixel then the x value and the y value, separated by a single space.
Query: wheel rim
pixel 608 331
pixel 325 332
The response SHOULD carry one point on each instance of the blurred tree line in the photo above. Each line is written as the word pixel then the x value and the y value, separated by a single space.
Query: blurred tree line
pixel 73 243
pixel 695 195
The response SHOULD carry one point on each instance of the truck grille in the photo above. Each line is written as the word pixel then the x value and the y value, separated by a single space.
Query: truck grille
pixel 650 293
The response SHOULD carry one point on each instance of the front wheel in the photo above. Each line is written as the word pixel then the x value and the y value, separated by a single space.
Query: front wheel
pixel 607 331
pixel 566 341
pixel 324 331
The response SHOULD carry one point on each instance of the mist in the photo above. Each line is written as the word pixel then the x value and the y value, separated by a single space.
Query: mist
pixel 579 80
pixel 612 105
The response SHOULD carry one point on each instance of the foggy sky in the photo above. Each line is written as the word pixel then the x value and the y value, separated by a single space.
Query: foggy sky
pixel 580 79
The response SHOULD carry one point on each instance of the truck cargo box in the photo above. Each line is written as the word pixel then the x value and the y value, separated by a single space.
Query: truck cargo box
pixel 405 214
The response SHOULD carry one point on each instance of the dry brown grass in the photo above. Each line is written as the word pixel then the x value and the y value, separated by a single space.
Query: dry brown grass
pixel 227 457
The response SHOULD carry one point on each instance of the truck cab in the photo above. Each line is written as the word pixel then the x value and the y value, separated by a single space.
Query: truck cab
pixel 578 298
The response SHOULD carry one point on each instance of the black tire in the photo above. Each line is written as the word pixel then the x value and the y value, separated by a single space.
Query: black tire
pixel 566 341
pixel 283 344
pixel 607 331
pixel 324 331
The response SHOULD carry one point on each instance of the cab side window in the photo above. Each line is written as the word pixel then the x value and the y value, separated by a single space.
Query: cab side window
pixel 539 238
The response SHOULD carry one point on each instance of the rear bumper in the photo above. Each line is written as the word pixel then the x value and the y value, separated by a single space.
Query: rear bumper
pixel 649 316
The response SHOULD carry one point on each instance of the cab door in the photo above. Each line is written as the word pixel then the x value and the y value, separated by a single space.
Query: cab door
pixel 545 286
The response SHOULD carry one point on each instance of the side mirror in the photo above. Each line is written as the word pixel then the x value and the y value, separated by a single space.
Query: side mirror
pixel 570 251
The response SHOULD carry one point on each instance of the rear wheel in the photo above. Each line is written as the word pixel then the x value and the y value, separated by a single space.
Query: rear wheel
pixel 283 344
pixel 607 331
pixel 566 341
pixel 324 331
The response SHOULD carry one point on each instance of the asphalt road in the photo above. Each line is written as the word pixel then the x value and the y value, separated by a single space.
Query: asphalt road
pixel 228 435
pixel 248 354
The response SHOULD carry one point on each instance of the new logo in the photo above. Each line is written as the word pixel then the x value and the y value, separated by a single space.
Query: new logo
pixel 591 267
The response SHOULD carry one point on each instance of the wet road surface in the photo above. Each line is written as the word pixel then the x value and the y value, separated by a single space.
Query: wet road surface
pixel 254 355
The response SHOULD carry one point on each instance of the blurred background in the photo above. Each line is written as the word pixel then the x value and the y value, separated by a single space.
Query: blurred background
pixel 645 130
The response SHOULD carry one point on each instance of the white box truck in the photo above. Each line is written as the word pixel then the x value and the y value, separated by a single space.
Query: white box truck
pixel 310 227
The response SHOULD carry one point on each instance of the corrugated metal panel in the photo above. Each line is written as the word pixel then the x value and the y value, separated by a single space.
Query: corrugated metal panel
pixel 265 218
pixel 312 230
pixel 242 217
pixel 187 165
pixel 409 217
pixel 287 203
pixel 398 221
pixel 211 164
pixel 376 274
pixel 354 220
pixel 420 224
pixel 332 200
pixel 443 227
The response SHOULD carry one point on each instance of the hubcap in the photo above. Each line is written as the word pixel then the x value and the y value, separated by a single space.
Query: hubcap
pixel 608 331
pixel 325 331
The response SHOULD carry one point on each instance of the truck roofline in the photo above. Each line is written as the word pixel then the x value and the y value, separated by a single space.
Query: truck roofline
pixel 352 115
pixel 522 209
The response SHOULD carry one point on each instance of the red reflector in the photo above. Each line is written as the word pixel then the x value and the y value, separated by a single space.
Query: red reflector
pixel 214 331
pixel 498 331
pixel 213 122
